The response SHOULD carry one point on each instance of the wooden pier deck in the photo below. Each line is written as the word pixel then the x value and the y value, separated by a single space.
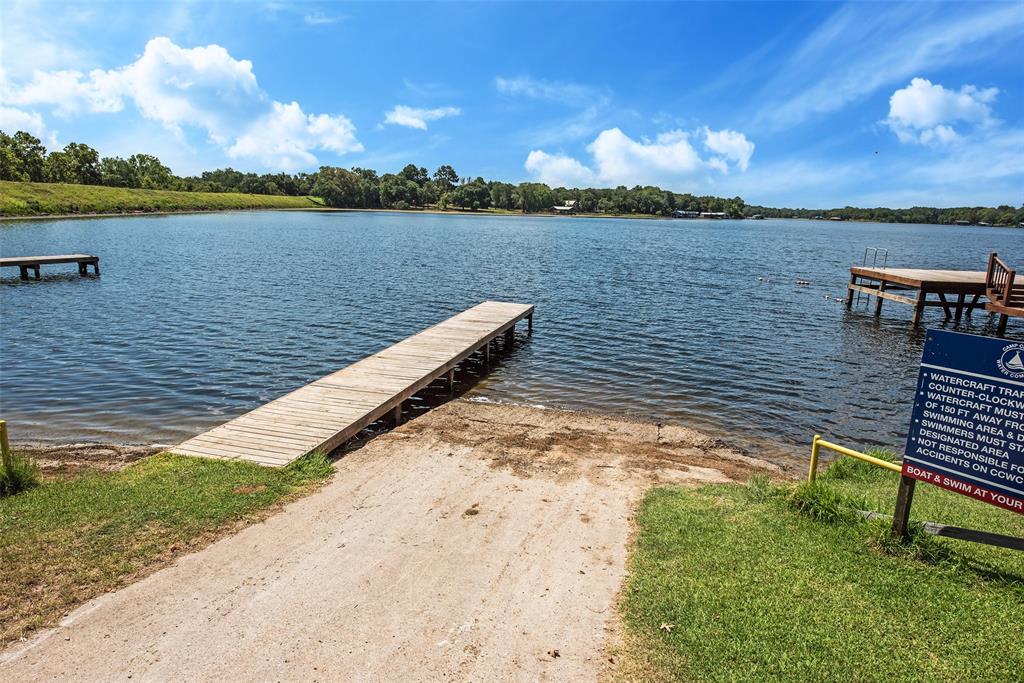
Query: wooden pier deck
pixel 329 411
pixel 26 263
pixel 1004 295
pixel 883 283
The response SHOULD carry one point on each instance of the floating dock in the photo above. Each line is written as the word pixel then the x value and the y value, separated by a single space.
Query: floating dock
pixel 26 263
pixel 324 414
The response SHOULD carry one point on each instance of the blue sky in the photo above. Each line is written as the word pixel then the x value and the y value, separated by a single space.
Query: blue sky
pixel 809 104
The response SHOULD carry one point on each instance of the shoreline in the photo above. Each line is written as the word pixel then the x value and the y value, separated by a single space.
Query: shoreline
pixel 63 458
pixel 456 212
pixel 331 209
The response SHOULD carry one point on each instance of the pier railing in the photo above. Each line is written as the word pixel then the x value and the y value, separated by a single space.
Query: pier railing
pixel 999 280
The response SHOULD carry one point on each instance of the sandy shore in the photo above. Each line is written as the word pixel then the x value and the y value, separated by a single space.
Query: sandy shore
pixel 476 542
pixel 65 460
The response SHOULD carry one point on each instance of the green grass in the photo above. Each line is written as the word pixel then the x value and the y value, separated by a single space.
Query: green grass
pixel 17 474
pixel 783 582
pixel 65 542
pixel 39 199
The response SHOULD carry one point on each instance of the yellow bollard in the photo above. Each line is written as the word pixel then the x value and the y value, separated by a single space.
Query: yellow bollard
pixel 5 448
pixel 814 458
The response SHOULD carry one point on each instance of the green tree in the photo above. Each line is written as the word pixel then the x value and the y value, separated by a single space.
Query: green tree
pixel 11 167
pixel 415 174
pixel 23 158
pixel 337 187
pixel 446 178
pixel 76 163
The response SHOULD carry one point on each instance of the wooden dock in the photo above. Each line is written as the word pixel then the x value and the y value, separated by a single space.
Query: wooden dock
pixel 1004 296
pixel 324 414
pixel 26 263
pixel 884 283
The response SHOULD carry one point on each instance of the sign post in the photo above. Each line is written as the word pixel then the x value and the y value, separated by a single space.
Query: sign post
pixel 967 431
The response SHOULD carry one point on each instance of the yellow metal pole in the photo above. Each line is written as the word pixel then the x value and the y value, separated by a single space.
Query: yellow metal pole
pixel 814 458
pixel 860 456
pixel 5 448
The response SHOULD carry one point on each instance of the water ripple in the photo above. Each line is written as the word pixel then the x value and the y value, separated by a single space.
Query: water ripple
pixel 197 318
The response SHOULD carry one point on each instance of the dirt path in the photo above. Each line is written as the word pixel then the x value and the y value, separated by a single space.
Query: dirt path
pixel 478 542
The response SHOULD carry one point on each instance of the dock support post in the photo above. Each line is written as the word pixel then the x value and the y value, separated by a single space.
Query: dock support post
pixel 918 307
pixel 396 415
pixel 510 339
pixel 849 292
pixel 945 305
pixel 960 306
pixel 878 304
pixel 1003 319
pixel 24 272
pixel 529 324
pixel 36 268
pixel 974 302
pixel 487 354
pixel 83 267
pixel 451 381
pixel 96 266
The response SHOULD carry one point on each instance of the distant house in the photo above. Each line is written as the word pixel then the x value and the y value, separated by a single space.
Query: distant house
pixel 679 213
pixel 836 218
pixel 568 207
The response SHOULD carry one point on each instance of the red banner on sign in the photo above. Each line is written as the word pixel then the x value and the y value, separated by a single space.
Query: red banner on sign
pixel 966 488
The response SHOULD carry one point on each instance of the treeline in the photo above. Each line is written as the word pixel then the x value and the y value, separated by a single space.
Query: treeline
pixel 24 157
pixel 415 187
pixel 970 215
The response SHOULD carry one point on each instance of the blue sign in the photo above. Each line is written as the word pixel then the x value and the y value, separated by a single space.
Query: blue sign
pixel 967 431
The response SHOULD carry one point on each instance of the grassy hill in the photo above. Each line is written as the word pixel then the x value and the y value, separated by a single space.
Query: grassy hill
pixel 42 199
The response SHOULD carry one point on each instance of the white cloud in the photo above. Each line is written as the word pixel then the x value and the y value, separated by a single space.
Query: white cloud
pixel 12 120
pixel 201 87
pixel 864 47
pixel 556 91
pixel 669 160
pixel 621 160
pixel 285 137
pixel 733 146
pixel 412 117
pixel 558 170
pixel 923 111
pixel 318 18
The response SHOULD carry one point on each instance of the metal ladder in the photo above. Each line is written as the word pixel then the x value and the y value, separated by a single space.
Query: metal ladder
pixel 875 253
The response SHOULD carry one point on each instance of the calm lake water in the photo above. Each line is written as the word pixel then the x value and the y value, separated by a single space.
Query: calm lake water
pixel 198 318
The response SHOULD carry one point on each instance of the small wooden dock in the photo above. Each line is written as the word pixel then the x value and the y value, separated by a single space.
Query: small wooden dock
pixel 1003 294
pixel 324 414
pixel 884 283
pixel 27 263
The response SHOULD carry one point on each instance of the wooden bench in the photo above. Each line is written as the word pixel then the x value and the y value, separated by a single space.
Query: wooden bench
pixel 25 263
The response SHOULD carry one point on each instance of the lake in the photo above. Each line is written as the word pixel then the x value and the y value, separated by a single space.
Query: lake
pixel 200 317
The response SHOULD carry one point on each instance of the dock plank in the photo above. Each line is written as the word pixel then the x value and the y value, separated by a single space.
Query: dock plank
pixel 328 411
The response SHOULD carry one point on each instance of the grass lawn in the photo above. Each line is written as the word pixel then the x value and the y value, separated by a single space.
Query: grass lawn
pixel 37 199
pixel 752 589
pixel 65 542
